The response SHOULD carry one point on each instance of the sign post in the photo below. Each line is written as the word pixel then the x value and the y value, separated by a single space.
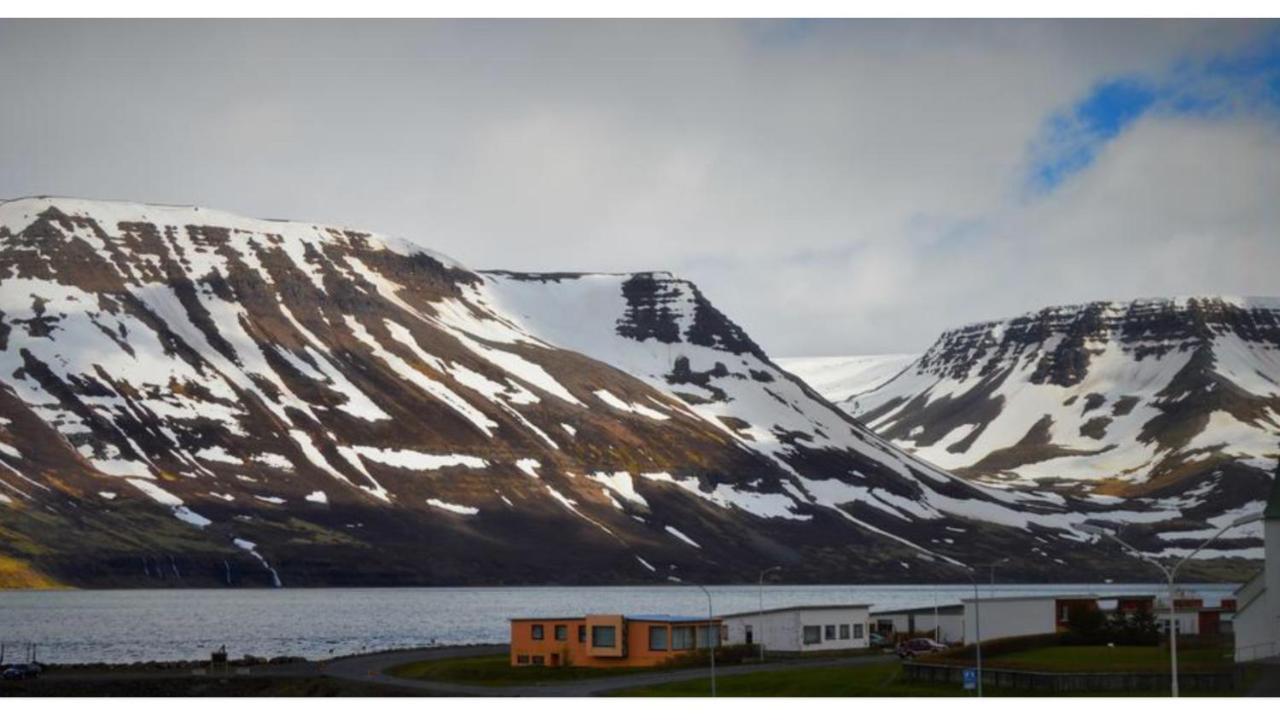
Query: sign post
pixel 970 679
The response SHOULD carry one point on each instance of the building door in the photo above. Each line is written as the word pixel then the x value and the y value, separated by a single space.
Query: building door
pixel 750 635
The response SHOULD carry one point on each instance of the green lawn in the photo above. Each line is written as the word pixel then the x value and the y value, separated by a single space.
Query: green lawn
pixel 497 670
pixel 878 680
pixel 1086 658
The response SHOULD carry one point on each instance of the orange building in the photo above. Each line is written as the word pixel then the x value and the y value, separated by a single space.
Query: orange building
pixel 610 640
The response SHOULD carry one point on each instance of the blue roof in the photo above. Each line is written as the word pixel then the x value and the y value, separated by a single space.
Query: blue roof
pixel 670 618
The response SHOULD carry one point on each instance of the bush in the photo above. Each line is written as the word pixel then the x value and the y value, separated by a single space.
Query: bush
pixel 1090 627
pixel 725 655
pixel 1001 646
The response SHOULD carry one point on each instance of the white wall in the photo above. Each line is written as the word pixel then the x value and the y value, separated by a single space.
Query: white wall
pixel 1257 620
pixel 1188 621
pixel 1271 529
pixel 784 631
pixel 778 630
pixel 1003 618
pixel 952 624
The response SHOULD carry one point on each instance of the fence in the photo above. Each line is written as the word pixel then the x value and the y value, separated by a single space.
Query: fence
pixel 1050 682
pixel 1257 651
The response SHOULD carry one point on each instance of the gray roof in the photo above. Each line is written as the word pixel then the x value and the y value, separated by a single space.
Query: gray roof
pixel 942 610
pixel 791 608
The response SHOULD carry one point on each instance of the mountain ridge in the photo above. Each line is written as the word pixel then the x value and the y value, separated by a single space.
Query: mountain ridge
pixel 192 398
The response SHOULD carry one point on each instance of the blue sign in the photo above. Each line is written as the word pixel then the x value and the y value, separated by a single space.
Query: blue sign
pixel 970 679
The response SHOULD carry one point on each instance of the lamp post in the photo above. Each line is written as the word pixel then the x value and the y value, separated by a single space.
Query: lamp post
pixel 710 614
pixel 715 640
pixel 991 569
pixel 760 617
pixel 977 625
pixel 1171 574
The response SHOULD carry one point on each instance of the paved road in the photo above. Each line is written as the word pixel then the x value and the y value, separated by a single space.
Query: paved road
pixel 1268 684
pixel 372 669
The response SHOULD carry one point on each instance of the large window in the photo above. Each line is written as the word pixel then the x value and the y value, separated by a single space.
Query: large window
pixel 829 633
pixel 682 638
pixel 562 632
pixel 537 632
pixel 812 634
pixel 539 660
pixel 708 636
pixel 844 632
pixel 605 636
pixel 657 638
pixel 857 631
pixel 522 659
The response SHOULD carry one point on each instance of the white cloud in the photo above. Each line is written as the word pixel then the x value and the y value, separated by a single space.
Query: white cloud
pixel 842 187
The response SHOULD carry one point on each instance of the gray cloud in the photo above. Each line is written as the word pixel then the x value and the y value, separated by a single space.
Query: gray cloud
pixel 843 187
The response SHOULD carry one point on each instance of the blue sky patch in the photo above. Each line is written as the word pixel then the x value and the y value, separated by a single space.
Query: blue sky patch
pixel 1070 140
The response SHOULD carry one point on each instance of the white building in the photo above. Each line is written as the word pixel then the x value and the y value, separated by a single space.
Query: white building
pixel 1003 617
pixel 1257 618
pixel 804 628
pixel 944 623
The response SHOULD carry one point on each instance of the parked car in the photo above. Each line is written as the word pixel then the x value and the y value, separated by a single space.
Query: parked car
pixel 878 640
pixel 919 646
pixel 21 671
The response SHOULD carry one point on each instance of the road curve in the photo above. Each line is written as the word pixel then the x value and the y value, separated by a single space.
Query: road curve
pixel 372 669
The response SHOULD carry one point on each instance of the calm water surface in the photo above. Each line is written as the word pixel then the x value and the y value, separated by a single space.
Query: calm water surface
pixel 133 625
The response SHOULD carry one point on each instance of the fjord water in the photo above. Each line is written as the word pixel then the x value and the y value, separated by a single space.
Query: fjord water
pixel 122 626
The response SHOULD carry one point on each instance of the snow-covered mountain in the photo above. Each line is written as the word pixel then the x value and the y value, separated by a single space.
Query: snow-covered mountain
pixel 841 378
pixel 1173 399
pixel 193 397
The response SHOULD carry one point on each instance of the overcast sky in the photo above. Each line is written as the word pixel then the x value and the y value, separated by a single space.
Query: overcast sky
pixel 835 187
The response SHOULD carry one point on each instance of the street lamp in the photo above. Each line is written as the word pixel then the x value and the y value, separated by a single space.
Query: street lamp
pixel 977 624
pixel 991 568
pixel 1171 574
pixel 715 639
pixel 760 618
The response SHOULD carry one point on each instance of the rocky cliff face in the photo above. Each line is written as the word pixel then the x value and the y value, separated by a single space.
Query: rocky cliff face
pixel 1170 400
pixel 188 397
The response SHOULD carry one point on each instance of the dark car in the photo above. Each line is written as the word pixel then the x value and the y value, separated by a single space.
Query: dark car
pixel 878 640
pixel 919 646
pixel 21 672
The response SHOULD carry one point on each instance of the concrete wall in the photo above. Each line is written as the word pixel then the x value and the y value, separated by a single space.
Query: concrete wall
pixel 778 631
pixel 1257 619
pixel 952 624
pixel 784 631
pixel 1003 618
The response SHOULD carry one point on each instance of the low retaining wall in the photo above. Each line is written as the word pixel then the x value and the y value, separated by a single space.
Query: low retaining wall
pixel 1071 682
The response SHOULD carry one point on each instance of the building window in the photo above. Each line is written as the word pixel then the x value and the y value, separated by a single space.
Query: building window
pixel 857 631
pixel 605 636
pixel 537 632
pixel 562 632
pixel 522 659
pixel 582 633
pixel 750 635
pixel 844 632
pixel 1065 615
pixel 812 634
pixel 682 638
pixel 657 638
pixel 829 632
pixel 539 660
pixel 708 635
